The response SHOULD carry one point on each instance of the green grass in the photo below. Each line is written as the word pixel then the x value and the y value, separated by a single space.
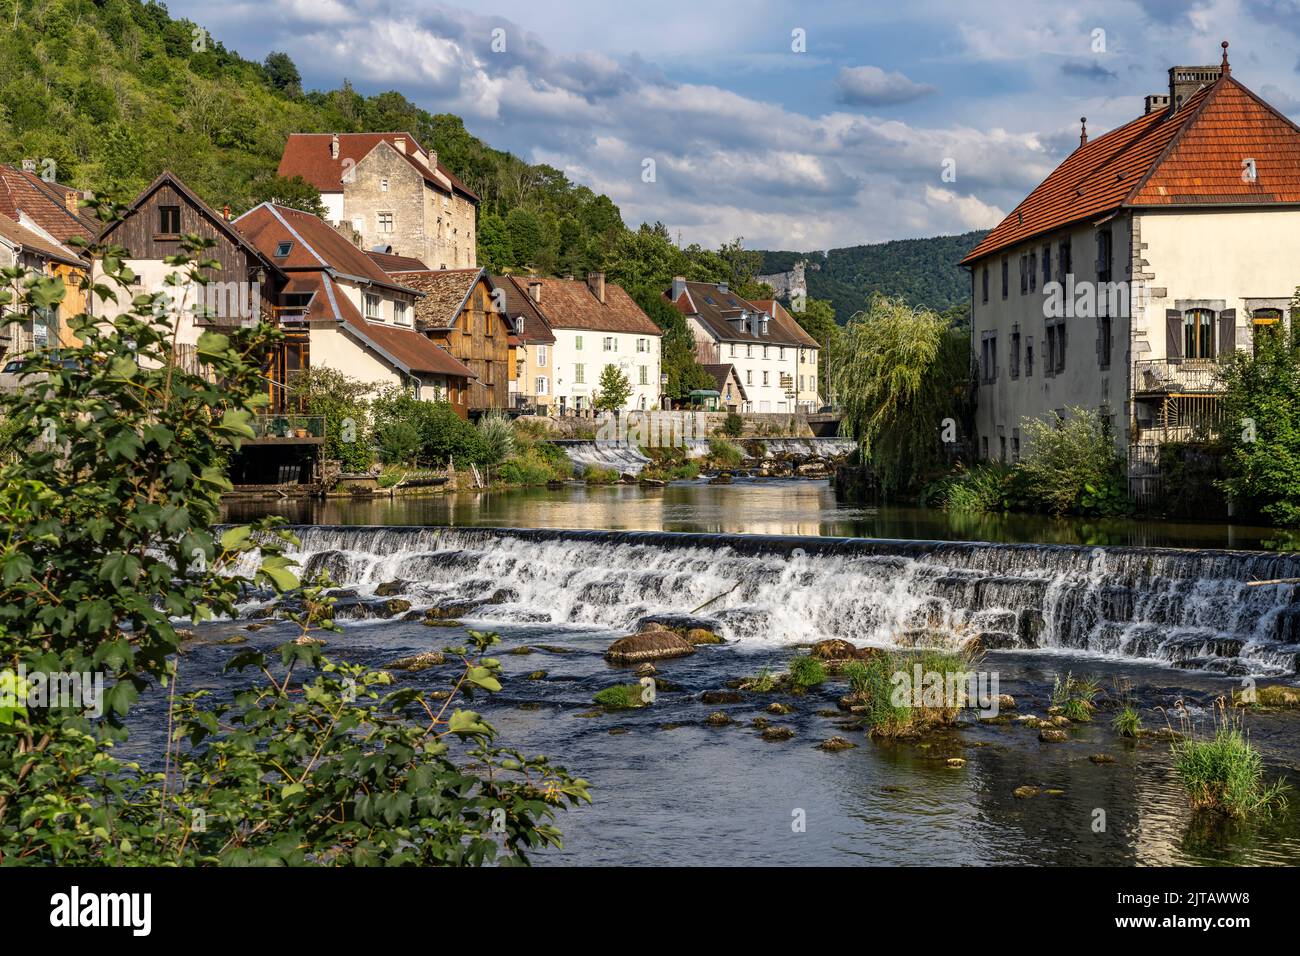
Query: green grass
pixel 1224 774
pixel 723 454
pixel 595 475
pixel 763 683
pixel 806 672
pixel 1128 722
pixel 1075 696
pixel 870 683
pixel 620 697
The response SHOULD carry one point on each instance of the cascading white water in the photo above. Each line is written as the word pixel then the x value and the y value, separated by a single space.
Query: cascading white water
pixel 628 459
pixel 1189 608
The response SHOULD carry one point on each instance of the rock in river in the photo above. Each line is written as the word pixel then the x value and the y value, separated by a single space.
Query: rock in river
pixel 648 646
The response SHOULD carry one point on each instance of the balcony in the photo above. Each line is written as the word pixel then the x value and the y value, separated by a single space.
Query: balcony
pixel 288 429
pixel 1160 378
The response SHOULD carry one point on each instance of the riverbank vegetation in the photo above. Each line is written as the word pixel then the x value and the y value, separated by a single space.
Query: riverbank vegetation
pixel 874 691
pixel 110 539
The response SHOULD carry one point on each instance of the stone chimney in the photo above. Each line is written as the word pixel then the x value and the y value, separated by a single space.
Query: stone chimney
pixel 1154 103
pixel 722 287
pixel 535 291
pixel 29 165
pixel 400 143
pixel 225 212
pixel 72 201
pixel 334 146
pixel 1184 81
pixel 679 287
pixel 596 283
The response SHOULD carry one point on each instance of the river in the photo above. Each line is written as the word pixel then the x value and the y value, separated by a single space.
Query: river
pixel 772 565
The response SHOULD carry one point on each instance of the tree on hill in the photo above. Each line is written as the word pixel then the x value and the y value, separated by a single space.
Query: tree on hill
pixel 282 73
pixel 614 389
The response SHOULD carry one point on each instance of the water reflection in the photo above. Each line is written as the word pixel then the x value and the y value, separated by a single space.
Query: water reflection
pixel 745 507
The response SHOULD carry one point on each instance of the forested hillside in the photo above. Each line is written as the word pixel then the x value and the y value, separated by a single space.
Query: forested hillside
pixel 923 271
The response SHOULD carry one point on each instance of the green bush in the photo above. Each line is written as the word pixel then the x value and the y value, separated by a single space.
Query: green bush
pixel 723 454
pixel 1223 773
pixel 345 404
pixel 733 426
pixel 399 442
pixel 596 475
pixel 533 467
pixel 806 672
pixel 498 438
pixel 1071 465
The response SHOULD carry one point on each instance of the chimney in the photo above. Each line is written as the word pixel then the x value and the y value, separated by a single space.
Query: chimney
pixel 72 201
pixel 679 287
pixel 29 165
pixel 433 159
pixel 1184 81
pixel 596 283
pixel 400 143
pixel 722 287
pixel 225 212
pixel 1083 131
pixel 535 291
pixel 334 146
pixel 1154 103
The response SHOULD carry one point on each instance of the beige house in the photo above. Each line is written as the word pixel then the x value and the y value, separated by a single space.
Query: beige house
pixel 534 382
pixel 391 191
pixel 1146 256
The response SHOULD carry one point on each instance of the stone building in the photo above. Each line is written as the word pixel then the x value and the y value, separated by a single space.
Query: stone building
pixel 1148 255
pixel 391 191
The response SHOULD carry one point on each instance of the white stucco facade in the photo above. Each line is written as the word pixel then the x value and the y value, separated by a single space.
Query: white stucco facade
pixel 578 357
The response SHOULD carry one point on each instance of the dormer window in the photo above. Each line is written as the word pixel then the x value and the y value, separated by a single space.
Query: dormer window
pixel 282 249
pixel 373 307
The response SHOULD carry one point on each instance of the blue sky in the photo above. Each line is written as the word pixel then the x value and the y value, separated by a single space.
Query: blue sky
pixel 843 143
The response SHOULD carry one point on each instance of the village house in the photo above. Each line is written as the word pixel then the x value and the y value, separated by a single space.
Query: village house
pixel 731 394
pixel 34 252
pixel 351 314
pixel 594 324
pixel 532 388
pixel 52 212
pixel 774 359
pixel 1150 253
pixel 391 191
pixel 457 311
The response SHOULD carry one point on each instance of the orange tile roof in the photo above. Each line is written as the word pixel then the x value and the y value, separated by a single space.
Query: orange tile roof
pixel 570 304
pixel 308 155
pixel 20 235
pixel 46 204
pixel 1193 157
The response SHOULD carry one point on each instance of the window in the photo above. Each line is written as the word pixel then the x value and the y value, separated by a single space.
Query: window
pixel 984 445
pixel 1015 351
pixel 1029 356
pixel 1047 263
pixel 764 351
pixel 645 375
pixel 733 349
pixel 1024 272
pixel 383 185
pixel 1033 271
pixel 577 343
pixel 1265 322
pixel 401 313
pixel 1103 255
pixel 780 353
pixel 282 249
pixel 1055 360
pixel 765 378
pixel 1198 334
pixel 1064 260
pixel 1006 278
pixel 985 284
pixel 169 220
pixel 1103 341
pixel 1002 441
pixel 749 377
pixel 1015 445
pixel 580 374
pixel 643 345
pixel 749 351
pixel 385 222
pixel 541 385
pixel 989 358
pixel 541 356
pixel 373 307
pixel 610 344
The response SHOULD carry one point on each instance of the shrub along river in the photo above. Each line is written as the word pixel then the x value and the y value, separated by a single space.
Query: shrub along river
pixel 1159 613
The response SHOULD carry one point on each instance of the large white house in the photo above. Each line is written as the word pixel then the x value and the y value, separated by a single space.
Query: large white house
pixel 593 324
pixel 774 359
pixel 1147 255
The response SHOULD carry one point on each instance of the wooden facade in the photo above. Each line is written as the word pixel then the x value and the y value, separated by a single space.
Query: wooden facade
pixel 480 338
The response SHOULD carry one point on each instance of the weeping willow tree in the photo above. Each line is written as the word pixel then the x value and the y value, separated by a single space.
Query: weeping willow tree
pixel 898 372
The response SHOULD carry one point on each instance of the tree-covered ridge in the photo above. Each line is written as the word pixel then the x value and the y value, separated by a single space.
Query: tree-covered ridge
pixel 924 272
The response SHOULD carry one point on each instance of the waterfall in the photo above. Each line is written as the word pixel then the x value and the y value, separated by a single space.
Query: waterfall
pixel 629 459
pixel 1186 608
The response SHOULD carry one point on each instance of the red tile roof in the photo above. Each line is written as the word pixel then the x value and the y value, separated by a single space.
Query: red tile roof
pixel 308 155
pixel 1190 158
pixel 391 263
pixel 787 326
pixel 44 202
pixel 570 304
pixel 718 311
pixel 532 325
pixel 313 244
pixel 20 235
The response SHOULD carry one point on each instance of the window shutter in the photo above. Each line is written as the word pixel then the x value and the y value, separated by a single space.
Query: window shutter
pixel 1227 331
pixel 1061 353
pixel 1100 345
pixel 1173 333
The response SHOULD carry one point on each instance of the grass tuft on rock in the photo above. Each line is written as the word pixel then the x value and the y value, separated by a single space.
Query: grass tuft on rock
pixel 806 672
pixel 1075 696
pixel 1224 774
pixel 1128 722
pixel 620 697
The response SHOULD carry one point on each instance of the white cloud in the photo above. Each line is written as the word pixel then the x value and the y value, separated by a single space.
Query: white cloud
pixel 872 86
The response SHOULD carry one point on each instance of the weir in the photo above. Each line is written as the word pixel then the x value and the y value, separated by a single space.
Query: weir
pixel 1185 608
pixel 629 459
